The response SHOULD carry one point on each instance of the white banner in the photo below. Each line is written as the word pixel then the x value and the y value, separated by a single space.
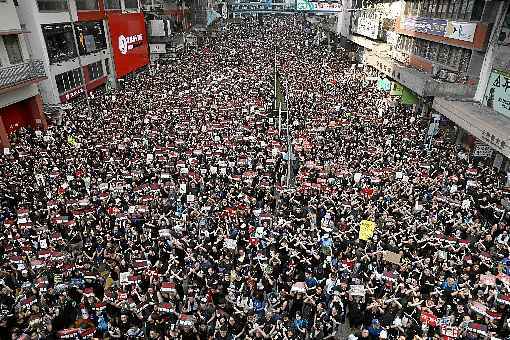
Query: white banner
pixel 464 31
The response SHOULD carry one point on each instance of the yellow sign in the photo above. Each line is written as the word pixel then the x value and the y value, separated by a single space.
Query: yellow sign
pixel 366 230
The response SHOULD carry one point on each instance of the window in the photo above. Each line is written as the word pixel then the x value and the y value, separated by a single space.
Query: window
pixel 444 51
pixel 59 42
pixel 52 5
pixel 90 36
pixel 477 10
pixel 13 49
pixel 455 58
pixel 68 80
pixel 466 8
pixel 95 70
pixel 86 5
pixel 112 4
pixel 107 65
pixel 454 9
pixel 131 4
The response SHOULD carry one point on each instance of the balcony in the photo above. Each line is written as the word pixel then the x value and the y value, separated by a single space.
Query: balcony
pixel 19 74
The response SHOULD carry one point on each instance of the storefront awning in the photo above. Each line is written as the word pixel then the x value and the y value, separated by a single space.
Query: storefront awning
pixel 482 122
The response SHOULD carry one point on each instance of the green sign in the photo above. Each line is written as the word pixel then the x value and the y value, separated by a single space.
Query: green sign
pixel 304 5
pixel 383 84
pixel 397 89
pixel 497 94
pixel 407 97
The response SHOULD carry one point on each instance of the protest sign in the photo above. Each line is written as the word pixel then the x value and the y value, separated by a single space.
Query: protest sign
pixel 450 331
pixel 428 319
pixel 489 280
pixel 230 243
pixel 366 230
pixel 298 287
pixel 391 257
pixel 182 188
pixel 124 277
pixel 164 233
pixel 357 290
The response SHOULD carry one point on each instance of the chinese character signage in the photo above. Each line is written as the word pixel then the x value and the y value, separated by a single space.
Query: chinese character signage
pixel 497 95
pixel 367 26
pixel 129 42
pixel 464 31
pixel 305 5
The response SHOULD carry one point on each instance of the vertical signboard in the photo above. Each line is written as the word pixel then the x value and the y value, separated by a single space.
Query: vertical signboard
pixel 129 42
pixel 497 95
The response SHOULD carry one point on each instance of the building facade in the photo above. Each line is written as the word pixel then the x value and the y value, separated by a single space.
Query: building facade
pixel 84 44
pixel 451 56
pixel 20 101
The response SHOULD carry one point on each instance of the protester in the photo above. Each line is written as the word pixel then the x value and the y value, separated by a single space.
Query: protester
pixel 164 212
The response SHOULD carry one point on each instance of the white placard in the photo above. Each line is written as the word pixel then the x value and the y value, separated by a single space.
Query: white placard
pixel 230 243
pixel 43 244
pixel 124 277
pixel 357 290
pixel 164 233
pixel 182 188
pixel 190 198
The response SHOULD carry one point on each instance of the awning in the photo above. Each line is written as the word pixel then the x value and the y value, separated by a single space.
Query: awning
pixel 15 31
pixel 482 122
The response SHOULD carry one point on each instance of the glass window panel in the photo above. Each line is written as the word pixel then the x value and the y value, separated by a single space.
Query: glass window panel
pixel 112 4
pixel 477 11
pixel 60 83
pixel 13 49
pixel 90 37
pixel 131 4
pixel 86 5
pixel 52 5
pixel 59 42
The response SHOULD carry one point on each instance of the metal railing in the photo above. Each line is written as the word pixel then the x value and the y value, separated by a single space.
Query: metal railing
pixel 14 74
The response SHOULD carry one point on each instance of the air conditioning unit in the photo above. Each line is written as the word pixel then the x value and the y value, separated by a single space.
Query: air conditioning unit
pixel 504 36
pixel 435 71
pixel 452 77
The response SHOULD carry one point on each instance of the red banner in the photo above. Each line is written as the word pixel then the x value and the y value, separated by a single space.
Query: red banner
pixel 129 42
pixel 429 319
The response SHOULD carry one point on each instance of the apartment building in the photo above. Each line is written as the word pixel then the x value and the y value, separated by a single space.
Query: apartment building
pixel 84 44
pixel 449 56
pixel 20 101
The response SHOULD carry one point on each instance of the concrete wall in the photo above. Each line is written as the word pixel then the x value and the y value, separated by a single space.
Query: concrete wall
pixel 30 16
pixel 17 95
pixel 344 20
pixel 8 17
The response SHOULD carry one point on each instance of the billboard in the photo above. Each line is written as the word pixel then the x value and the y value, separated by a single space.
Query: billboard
pixel 318 6
pixel 497 95
pixel 129 42
pixel 464 31
pixel 367 26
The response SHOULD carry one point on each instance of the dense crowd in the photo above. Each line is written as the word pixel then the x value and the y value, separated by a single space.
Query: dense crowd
pixel 164 211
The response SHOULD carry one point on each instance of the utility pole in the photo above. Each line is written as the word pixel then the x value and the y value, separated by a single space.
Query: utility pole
pixel 289 143
pixel 275 79
pixel 79 56
pixel 279 119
